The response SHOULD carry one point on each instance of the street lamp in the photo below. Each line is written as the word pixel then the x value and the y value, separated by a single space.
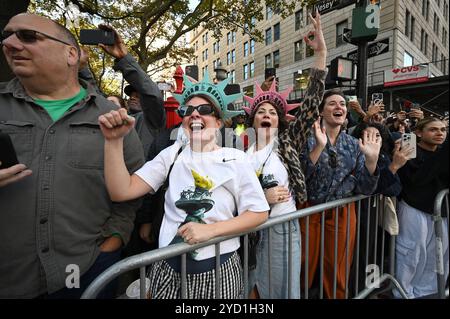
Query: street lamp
pixel 221 72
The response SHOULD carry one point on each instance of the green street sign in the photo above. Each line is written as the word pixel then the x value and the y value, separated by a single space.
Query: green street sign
pixel 365 23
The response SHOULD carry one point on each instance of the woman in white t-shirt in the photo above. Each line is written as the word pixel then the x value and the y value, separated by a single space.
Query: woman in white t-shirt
pixel 213 191
pixel 279 139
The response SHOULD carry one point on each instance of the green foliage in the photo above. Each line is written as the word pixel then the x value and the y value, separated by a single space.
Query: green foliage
pixel 155 30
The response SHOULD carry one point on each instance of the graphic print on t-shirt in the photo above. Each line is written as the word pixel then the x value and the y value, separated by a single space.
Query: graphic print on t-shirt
pixel 195 201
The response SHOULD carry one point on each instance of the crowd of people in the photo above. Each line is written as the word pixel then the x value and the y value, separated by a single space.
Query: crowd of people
pixel 100 178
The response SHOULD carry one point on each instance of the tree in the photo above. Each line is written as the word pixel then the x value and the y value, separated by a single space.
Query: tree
pixel 9 9
pixel 156 30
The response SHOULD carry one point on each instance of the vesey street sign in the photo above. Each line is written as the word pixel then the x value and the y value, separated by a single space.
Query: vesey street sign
pixel 374 49
pixel 330 5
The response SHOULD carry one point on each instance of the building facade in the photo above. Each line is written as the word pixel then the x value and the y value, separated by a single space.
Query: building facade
pixel 411 32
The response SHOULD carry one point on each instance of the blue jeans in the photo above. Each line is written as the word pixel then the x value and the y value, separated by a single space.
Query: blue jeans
pixel 103 261
pixel 279 270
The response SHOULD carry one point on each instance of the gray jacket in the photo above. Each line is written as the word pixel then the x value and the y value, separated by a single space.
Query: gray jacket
pixel 152 119
pixel 60 214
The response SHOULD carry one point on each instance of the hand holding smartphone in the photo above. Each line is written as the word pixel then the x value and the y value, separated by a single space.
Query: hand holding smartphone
pixel 409 140
pixel 97 36
pixel 8 155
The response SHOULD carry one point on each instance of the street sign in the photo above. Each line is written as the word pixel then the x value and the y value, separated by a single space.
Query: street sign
pixel 374 49
pixel 405 75
pixel 326 6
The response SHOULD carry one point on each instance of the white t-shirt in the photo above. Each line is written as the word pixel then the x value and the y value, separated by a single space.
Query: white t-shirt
pixel 226 183
pixel 275 167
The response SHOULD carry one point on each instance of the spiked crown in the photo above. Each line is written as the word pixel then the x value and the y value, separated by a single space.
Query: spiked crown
pixel 277 99
pixel 213 92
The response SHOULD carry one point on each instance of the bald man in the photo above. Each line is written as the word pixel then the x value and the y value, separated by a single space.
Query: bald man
pixel 58 227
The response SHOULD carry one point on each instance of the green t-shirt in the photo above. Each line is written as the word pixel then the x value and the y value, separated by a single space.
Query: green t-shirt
pixel 57 108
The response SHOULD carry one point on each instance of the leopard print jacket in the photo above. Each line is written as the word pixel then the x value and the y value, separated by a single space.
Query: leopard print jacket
pixel 292 139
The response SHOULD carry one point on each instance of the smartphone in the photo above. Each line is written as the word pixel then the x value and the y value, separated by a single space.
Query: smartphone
pixel 409 140
pixel 8 155
pixel 96 36
pixel 192 71
pixel 268 72
pixel 377 98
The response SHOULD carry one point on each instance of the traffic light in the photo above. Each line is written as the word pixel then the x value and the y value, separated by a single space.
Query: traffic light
pixel 341 69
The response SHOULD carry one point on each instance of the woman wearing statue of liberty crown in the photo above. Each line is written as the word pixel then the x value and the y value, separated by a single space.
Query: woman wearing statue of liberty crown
pixel 208 184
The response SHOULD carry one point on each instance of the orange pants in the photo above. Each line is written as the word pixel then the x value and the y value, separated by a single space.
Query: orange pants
pixel 329 236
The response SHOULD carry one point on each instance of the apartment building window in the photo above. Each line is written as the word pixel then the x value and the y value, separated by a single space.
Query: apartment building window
pixel 248 90
pixel 228 38
pixel 407 23
pixel 408 59
pixel 436 24
pixel 422 39
pixel 340 31
pixel 425 8
pixel 252 69
pixel 438 3
pixel 298 51
pixel 206 54
pixel 268 61
pixel 233 76
pixel 252 46
pixel 276 32
pixel 301 78
pixel 228 58
pixel 269 13
pixel 245 72
pixel 446 10
pixel 309 51
pixel 245 49
pixel 268 36
pixel 276 59
pixel 204 70
pixel 233 56
pixel 299 19
pixel 195 60
pixel 203 55
pixel 434 53
pixel 196 45
pixel 444 37
pixel 413 26
pixel 233 36
pixel 443 63
pixel 214 64
pixel 425 51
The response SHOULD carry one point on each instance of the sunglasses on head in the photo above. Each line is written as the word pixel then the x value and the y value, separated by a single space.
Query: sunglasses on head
pixel 203 109
pixel 28 36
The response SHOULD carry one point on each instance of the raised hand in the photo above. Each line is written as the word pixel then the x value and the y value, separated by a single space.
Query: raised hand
pixel 320 134
pixel 400 157
pixel 370 145
pixel 116 124
pixel 118 50
pixel 317 43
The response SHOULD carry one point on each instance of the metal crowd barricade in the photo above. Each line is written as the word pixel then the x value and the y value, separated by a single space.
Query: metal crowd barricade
pixel 143 260
pixel 441 198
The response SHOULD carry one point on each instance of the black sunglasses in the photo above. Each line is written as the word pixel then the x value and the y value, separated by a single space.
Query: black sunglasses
pixel 28 36
pixel 203 109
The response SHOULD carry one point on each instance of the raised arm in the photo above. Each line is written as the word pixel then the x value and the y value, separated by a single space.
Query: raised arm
pixel 150 96
pixel 121 186
pixel 308 112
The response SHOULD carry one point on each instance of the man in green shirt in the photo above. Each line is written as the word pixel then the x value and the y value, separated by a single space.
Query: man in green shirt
pixel 58 227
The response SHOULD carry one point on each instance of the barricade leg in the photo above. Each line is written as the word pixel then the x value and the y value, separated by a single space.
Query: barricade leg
pixel 313 249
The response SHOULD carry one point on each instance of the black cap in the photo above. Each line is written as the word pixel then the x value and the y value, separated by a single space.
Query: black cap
pixel 129 89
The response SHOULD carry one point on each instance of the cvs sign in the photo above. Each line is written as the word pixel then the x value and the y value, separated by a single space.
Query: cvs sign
pixel 406 75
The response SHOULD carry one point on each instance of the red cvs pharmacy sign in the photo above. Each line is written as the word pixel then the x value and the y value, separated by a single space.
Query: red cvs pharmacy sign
pixel 406 75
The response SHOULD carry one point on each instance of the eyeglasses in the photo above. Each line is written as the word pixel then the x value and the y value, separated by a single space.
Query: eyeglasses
pixel 203 109
pixel 28 36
